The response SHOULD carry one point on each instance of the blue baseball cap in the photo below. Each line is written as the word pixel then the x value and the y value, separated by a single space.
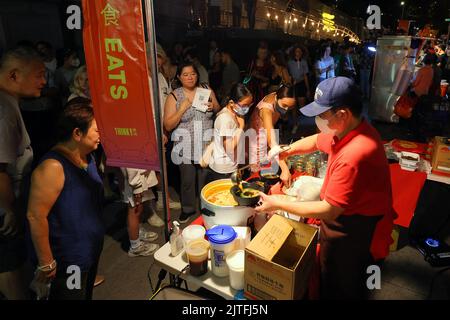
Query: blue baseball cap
pixel 333 92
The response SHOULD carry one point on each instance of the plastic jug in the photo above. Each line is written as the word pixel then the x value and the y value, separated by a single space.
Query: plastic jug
pixel 222 243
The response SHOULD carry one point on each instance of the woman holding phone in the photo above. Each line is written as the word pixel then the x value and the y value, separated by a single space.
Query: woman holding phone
pixel 188 125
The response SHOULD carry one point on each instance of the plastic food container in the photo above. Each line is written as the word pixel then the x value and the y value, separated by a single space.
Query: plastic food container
pixel 409 160
pixel 235 262
pixel 193 232
pixel 197 253
pixel 222 243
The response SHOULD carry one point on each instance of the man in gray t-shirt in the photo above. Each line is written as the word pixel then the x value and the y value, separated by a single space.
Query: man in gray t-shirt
pixel 22 74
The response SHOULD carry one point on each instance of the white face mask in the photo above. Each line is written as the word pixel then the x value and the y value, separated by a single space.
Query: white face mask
pixel 76 62
pixel 51 65
pixel 322 124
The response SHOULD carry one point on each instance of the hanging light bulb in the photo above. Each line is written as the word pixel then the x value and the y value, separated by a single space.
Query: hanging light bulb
pixel 276 17
pixel 304 25
pixel 312 23
pixel 317 30
pixel 268 15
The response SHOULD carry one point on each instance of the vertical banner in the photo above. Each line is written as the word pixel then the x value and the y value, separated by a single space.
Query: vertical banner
pixel 114 44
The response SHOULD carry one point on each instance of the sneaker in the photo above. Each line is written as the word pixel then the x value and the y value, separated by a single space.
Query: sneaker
pixel 147 236
pixel 184 217
pixel 172 203
pixel 143 250
pixel 155 221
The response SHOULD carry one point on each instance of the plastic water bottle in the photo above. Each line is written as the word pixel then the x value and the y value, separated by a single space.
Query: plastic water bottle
pixel 176 240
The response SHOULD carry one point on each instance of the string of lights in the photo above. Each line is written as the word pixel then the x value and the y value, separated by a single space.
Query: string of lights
pixel 312 23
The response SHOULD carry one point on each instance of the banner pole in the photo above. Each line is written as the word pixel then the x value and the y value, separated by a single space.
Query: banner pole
pixel 159 121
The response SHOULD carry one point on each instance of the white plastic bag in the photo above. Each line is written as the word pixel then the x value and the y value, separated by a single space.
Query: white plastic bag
pixel 306 188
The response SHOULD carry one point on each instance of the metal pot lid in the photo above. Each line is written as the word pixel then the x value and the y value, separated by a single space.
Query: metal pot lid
pixel 221 234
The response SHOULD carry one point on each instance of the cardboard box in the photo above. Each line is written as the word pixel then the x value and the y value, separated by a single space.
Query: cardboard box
pixel 279 260
pixel 440 161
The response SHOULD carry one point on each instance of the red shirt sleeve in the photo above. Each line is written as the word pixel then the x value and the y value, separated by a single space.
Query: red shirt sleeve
pixel 341 185
pixel 324 142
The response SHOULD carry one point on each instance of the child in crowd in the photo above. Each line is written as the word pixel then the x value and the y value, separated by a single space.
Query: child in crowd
pixel 137 193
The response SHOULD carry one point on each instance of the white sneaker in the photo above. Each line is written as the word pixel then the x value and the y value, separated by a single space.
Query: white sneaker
pixel 143 250
pixel 155 221
pixel 172 203
pixel 147 236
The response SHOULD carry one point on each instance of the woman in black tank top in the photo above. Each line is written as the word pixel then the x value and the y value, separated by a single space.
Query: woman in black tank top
pixel 280 74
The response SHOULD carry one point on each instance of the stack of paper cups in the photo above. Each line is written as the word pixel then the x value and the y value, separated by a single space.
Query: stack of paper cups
pixel 235 261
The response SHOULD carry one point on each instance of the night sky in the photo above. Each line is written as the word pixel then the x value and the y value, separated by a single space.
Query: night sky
pixel 422 11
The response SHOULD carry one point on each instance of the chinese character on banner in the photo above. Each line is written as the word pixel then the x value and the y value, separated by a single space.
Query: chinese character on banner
pixel 114 44
pixel 110 15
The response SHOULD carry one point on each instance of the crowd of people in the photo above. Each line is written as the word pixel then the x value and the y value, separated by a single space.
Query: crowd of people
pixel 47 110
pixel 425 88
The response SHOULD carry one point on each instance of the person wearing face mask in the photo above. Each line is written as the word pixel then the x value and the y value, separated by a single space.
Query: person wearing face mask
pixel 228 130
pixel 356 203
pixel 64 75
pixel 263 119
pixel 46 51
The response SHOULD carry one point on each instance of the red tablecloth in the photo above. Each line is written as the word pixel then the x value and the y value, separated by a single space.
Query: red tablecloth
pixel 406 187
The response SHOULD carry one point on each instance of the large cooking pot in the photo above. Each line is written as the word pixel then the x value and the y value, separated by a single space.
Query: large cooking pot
pixel 214 214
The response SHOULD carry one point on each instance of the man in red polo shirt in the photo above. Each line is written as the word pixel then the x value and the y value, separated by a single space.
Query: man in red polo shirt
pixel 356 202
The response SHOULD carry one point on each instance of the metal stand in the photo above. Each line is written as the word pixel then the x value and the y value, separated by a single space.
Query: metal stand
pixel 151 35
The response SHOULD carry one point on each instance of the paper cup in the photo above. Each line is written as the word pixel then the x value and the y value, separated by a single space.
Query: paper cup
pixel 235 262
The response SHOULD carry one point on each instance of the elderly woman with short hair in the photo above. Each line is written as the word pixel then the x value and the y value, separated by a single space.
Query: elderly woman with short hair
pixel 64 207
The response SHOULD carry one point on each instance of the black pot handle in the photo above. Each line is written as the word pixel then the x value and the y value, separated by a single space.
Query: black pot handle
pixel 207 212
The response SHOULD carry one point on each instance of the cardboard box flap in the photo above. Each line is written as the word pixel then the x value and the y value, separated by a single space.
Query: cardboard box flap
pixel 271 237
pixel 440 161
